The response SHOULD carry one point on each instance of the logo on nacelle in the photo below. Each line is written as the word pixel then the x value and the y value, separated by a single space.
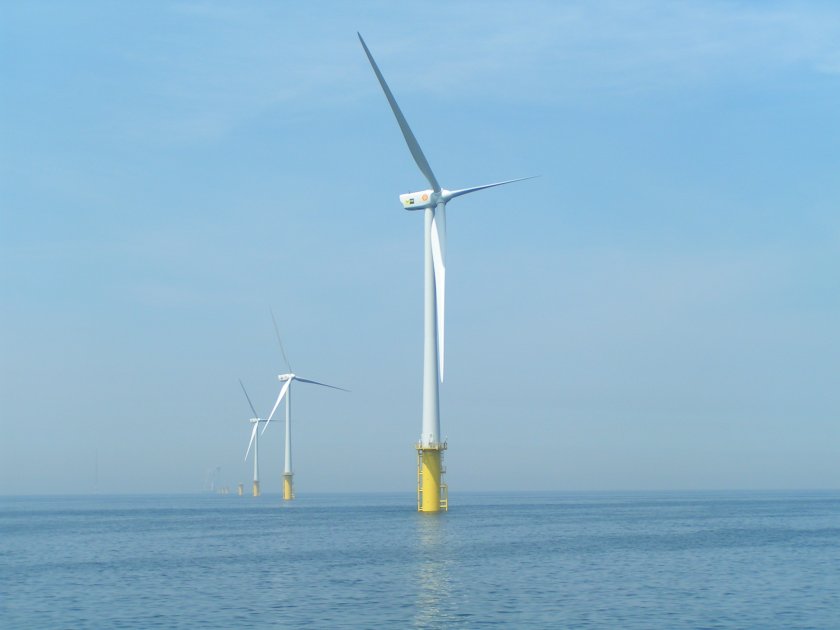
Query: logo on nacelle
pixel 418 200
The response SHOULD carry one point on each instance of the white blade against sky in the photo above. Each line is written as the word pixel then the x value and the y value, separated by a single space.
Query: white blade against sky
pixel 438 222
pixel 250 404
pixel 410 140
pixel 280 341
pixel 256 417
pixel 438 235
pixel 253 436
pixel 283 391
pixel 306 380
pixel 463 191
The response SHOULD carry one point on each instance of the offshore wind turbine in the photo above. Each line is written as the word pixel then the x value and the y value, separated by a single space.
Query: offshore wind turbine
pixel 285 391
pixel 432 493
pixel 255 420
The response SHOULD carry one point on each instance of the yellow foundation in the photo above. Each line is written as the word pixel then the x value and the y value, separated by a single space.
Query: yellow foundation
pixel 239 490
pixel 256 488
pixel 288 493
pixel 432 493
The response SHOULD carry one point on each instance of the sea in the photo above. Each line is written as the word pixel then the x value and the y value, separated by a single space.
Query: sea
pixel 516 560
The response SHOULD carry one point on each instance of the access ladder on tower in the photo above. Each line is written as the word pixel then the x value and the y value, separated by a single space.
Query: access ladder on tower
pixel 444 489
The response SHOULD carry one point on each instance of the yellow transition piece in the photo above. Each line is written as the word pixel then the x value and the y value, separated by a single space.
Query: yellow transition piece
pixel 432 493
pixel 288 494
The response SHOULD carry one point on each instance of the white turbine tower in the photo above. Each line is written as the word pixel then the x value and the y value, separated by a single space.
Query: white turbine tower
pixel 285 391
pixel 431 492
pixel 254 442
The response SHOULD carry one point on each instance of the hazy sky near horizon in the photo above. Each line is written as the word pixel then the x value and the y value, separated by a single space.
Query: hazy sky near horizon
pixel 659 310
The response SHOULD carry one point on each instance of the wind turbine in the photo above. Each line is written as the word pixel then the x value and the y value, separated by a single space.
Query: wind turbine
pixel 254 441
pixel 432 494
pixel 285 391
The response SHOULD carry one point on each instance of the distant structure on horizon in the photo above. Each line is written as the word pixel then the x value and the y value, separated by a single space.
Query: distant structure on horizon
pixel 212 478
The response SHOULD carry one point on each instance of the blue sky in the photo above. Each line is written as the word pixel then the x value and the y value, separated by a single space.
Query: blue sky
pixel 659 310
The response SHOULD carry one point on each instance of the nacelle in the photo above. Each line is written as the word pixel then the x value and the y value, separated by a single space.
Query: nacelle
pixel 419 200
pixel 285 377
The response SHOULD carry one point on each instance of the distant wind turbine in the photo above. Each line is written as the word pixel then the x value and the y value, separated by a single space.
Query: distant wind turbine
pixel 255 420
pixel 431 492
pixel 285 391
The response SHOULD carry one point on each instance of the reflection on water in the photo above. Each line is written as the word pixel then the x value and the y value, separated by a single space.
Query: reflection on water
pixel 634 561
pixel 434 588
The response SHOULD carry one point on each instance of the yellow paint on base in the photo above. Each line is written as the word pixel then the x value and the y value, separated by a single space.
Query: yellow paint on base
pixel 432 493
pixel 256 488
pixel 288 493
pixel 240 490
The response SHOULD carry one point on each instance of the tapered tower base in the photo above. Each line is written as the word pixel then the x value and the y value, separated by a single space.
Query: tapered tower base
pixel 288 493
pixel 432 493
pixel 256 488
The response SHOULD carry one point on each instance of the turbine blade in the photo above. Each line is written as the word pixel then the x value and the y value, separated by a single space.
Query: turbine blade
pixel 280 341
pixel 438 253
pixel 410 140
pixel 306 380
pixel 253 437
pixel 464 191
pixel 249 398
pixel 283 391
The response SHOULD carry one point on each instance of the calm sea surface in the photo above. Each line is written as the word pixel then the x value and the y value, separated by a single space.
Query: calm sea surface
pixel 543 560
